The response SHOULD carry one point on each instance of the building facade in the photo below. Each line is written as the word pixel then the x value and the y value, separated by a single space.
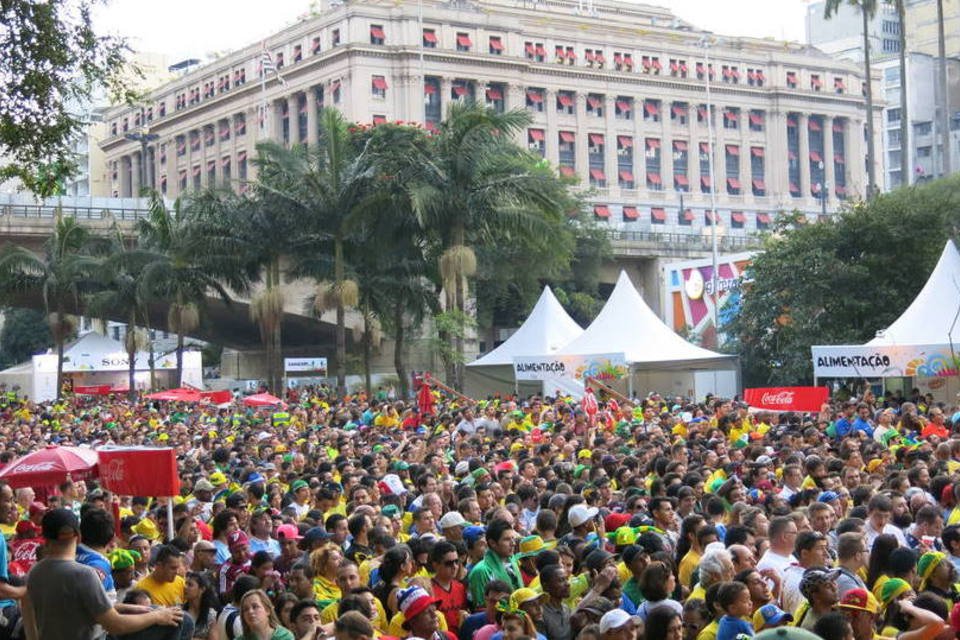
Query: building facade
pixel 618 97
pixel 842 34
pixel 922 27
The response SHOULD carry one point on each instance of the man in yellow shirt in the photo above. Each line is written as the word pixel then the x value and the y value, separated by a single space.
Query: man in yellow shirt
pixel 165 584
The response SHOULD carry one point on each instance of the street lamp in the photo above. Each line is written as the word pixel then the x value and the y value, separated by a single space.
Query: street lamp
pixel 144 137
pixel 705 42
pixel 823 186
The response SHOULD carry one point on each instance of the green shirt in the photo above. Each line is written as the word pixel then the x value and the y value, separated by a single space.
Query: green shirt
pixel 492 567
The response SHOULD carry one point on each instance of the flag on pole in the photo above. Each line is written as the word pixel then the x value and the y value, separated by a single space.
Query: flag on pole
pixel 268 66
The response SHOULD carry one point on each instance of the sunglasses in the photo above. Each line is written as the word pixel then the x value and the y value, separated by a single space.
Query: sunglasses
pixel 451 563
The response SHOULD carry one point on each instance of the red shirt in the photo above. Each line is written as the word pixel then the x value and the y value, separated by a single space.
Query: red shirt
pixel 934 429
pixel 451 602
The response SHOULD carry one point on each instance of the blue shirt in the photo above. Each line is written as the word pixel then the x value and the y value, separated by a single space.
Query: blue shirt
pixel 473 623
pixel 269 545
pixel 99 563
pixel 730 628
pixel 3 572
pixel 844 427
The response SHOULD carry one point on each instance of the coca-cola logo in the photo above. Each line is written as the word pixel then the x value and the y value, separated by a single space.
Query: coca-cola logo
pixel 114 471
pixel 34 467
pixel 781 398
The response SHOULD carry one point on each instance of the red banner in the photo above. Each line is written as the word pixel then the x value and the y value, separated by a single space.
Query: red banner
pixel 803 399
pixel 139 471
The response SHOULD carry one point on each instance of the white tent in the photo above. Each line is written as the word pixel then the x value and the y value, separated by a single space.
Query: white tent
pixel 656 355
pixel 546 329
pixel 924 342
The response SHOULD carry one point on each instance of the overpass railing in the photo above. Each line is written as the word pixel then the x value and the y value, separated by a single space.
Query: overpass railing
pixel 83 208
pixel 685 240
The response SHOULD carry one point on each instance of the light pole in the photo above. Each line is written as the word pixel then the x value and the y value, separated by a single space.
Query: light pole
pixel 705 43
pixel 823 190
pixel 144 137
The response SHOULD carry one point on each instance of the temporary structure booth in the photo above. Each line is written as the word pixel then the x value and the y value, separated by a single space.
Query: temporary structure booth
pixel 657 358
pixel 920 348
pixel 546 329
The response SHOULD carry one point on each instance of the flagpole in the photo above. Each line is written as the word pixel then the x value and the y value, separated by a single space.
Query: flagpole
pixel 263 91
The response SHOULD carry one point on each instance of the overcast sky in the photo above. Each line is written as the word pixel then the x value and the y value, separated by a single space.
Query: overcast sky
pixel 194 28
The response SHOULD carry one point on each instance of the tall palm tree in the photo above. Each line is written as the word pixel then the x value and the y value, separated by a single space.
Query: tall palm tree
pixel 944 124
pixel 479 186
pixel 61 273
pixel 322 186
pixel 868 9
pixel 906 154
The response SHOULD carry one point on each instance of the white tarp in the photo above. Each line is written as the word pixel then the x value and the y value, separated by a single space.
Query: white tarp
pixel 923 342
pixel 626 324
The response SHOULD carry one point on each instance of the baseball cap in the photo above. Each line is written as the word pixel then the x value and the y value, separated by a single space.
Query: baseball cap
pixel 203 485
pixel 616 520
pixel 616 618
pixel 57 524
pixel 814 577
pixel 315 534
pixel 770 614
pixel 452 519
pixel 217 477
pixel 391 511
pixel 522 595
pixel 580 513
pixel 827 496
pixel 473 533
pixel 237 539
pixel 299 484
pixel 533 545
pixel 288 532
pixel 860 599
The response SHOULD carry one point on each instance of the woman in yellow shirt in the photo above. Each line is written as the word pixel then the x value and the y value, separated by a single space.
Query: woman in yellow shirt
pixel 325 561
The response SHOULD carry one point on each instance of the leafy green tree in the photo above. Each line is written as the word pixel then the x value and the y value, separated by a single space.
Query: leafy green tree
pixel 838 282
pixel 868 10
pixel 25 333
pixel 52 61
pixel 61 273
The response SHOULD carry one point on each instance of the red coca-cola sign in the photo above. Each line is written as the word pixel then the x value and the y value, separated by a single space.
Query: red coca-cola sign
pixel 802 399
pixel 131 471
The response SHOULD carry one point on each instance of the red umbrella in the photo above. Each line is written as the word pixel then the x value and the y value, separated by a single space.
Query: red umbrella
pixel 176 395
pixel 263 400
pixel 50 466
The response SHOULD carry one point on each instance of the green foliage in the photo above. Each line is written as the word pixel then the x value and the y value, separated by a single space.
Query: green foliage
pixel 838 282
pixel 52 61
pixel 25 333
pixel 452 325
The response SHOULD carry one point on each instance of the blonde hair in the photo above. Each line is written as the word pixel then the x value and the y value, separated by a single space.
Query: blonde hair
pixel 273 621
pixel 319 558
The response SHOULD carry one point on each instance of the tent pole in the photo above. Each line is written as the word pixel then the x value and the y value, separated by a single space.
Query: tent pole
pixel 170 519
pixel 630 384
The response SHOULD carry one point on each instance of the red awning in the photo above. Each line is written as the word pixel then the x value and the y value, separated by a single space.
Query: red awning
pixel 567 172
pixel 792 76
pixel 688 215
pixel 377 32
pixel 624 105
pixel 625 142
pixel 706 181
pixel 814 124
pixel 816 82
pixel 459 90
pixel 730 115
pixel 430 36
pixel 541 51
pixel 658 214
pixel 681 110
pixel 494 94
pixel 379 120
pixel 760 75
pixel 571 54
pixel 702 112
pixel 838 83
pixel 589 55
pixel 464 40
pixel 530 49
pixel 838 158
pixel 757 152
pixel 536 135
pixel 815 156
pixel 841 189
pixel 645 61
pixel 565 99
pixel 733 183
pixel 651 108
pixel 334 86
pixel 763 218
pixel 737 216
pixel 496 44
pixel 596 139
pixel 791 122
pixel 704 147
pixel 598 174
pixel 379 82
pixel 709 216
pixel 794 188
pixel 241 156
pixel 700 68
pixel 534 96
pixel 626 175
pixel 679 145
pixel 617 58
pixel 683 67
pixel 838 126
pixel 791 155
pixel 751 74
pixel 601 211
pixel 630 213
pixel 567 136
pixel 429 89
pixel 759 184
pixel 594 102
pixel 733 150
pixel 653 143
pixel 681 179
pixel 756 118
pixel 656 64
pixel 674 66
pixel 628 60
pixel 727 72
pixel 653 178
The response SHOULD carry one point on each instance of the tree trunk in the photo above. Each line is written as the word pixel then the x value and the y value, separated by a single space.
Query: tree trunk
pixel 131 361
pixel 461 303
pixel 179 357
pixel 60 338
pixel 398 347
pixel 871 146
pixel 446 339
pixel 341 318
pixel 944 105
pixel 906 152
pixel 151 361
pixel 367 355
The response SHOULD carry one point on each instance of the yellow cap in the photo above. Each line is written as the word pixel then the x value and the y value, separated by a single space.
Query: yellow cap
pixel 522 595
pixel 585 453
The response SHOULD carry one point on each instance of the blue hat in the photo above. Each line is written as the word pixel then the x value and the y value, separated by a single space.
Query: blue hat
pixel 827 496
pixel 771 614
pixel 255 478
pixel 473 533
pixel 315 534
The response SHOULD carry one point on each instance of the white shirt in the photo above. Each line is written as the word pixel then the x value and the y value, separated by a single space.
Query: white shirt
pixel 775 561
pixel 888 529
pixel 790 596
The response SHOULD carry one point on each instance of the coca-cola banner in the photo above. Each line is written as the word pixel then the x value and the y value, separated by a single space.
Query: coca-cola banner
pixel 803 399
pixel 139 471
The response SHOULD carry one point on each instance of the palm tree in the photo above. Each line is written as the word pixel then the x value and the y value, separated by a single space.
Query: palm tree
pixel 183 262
pixel 61 273
pixel 944 125
pixel 868 9
pixel 480 186
pixel 906 157
pixel 322 186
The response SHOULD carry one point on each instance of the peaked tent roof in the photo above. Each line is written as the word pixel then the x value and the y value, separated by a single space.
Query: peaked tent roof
pixel 626 324
pixel 930 318
pixel 546 329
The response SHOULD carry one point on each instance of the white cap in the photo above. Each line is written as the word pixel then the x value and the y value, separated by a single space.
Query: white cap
pixel 453 519
pixel 462 468
pixel 616 618
pixel 580 513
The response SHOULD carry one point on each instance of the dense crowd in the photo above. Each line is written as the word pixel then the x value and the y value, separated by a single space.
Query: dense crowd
pixel 544 518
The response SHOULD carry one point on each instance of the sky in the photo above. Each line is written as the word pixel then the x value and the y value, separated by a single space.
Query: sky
pixel 196 28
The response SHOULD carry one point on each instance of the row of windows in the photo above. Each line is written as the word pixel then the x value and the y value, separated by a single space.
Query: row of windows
pixel 685 218
pixel 215 172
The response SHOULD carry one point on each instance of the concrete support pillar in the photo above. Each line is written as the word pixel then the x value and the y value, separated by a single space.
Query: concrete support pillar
pixel 553 126
pixel 135 185
pixel 828 167
pixel 804 153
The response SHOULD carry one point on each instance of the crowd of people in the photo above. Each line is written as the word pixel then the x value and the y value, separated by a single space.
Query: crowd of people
pixel 542 518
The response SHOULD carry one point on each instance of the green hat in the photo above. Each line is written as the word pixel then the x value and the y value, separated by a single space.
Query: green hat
pixel 927 564
pixel 299 484
pixel 399 465
pixel 893 588
pixel 533 545
pixel 479 473
pixel 889 435
pixel 391 511
pixel 123 558
pixel 623 536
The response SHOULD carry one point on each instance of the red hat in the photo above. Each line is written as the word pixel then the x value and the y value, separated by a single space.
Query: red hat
pixel 288 532
pixel 503 466
pixel 37 508
pixel 616 520
pixel 26 527
pixel 413 601
pixel 236 539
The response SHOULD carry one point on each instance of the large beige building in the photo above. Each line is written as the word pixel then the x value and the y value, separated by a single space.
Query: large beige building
pixel 617 91
pixel 922 27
